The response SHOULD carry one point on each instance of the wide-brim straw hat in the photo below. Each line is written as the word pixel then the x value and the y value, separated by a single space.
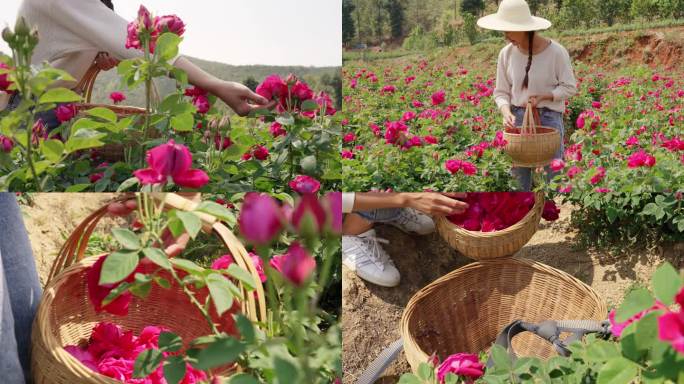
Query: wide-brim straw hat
pixel 513 16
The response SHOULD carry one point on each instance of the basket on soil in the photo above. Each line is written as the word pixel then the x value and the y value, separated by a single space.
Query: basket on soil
pixel 465 310
pixel 532 145
pixel 490 245
pixel 111 152
pixel 67 317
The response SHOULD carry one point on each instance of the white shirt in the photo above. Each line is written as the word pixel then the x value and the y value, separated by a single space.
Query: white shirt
pixel 551 72
pixel 72 32
pixel 348 202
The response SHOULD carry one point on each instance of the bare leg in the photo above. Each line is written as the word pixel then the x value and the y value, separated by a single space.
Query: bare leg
pixel 355 225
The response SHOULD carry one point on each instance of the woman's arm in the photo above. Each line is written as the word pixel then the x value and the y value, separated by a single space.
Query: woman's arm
pixel 428 202
pixel 567 84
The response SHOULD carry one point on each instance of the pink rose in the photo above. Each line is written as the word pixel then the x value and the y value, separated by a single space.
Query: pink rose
pixel 6 144
pixel 83 356
pixel 202 104
pixel 117 97
pixel 438 97
pixel 296 265
pixel 596 104
pixel 453 166
pixel 632 140
pixel 97 293
pixel 598 176
pixel 430 139
pixel 349 137
pixel 277 129
pixel 347 154
pixel 302 91
pixel 260 152
pixel 260 219
pixel 333 203
pixel 169 23
pixel 309 214
pixel 66 112
pixel 640 159
pixel 461 364
pixel 173 161
pixel 4 78
pixel 551 211
pixel 303 184
pixel 225 261
pixel 671 325
pixel 557 165
pixel 222 143
pixel 273 87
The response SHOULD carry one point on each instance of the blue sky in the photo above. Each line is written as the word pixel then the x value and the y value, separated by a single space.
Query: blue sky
pixel 271 32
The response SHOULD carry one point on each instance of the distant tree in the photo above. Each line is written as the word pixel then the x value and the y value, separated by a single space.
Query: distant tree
pixel 534 5
pixel 348 27
pixel 251 83
pixel 610 11
pixel 470 28
pixel 648 9
pixel 335 83
pixel 578 13
pixel 396 18
pixel 473 7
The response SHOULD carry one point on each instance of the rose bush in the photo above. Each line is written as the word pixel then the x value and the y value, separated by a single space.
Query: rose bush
pixel 297 263
pixel 98 150
pixel 646 345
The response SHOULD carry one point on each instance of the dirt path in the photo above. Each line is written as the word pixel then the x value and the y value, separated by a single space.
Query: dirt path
pixel 371 314
pixel 50 217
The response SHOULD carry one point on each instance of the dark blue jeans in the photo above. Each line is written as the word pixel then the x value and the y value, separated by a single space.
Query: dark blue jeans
pixel 49 117
pixel 20 293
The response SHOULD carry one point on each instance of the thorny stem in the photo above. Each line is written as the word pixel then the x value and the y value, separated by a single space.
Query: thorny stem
pixel 21 66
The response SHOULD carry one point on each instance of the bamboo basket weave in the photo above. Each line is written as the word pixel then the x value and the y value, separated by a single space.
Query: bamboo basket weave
pixel 465 310
pixel 490 245
pixel 532 145
pixel 66 316
pixel 112 152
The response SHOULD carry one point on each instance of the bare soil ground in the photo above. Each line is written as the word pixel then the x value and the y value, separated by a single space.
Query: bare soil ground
pixel 50 218
pixel 371 314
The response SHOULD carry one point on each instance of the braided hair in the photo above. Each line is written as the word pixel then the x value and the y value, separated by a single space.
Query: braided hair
pixel 526 81
pixel 108 3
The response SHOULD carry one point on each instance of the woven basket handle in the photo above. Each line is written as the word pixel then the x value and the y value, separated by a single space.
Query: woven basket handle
pixel 76 244
pixel 87 83
pixel 531 120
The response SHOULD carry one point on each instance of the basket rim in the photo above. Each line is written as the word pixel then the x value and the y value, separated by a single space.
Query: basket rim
pixel 552 132
pixel 451 227
pixel 410 343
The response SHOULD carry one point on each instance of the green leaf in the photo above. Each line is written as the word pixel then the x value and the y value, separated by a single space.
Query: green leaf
pixel 170 342
pixel 103 113
pixel 242 378
pixel 184 122
pixel 601 351
pixel 187 266
pixel 176 227
pixel 666 282
pixel 191 222
pixel 59 95
pixel 220 292
pixel 635 302
pixel 612 214
pixel 158 257
pixel 242 275
pixel 408 378
pixel 222 351
pixel 245 327
pixel 217 210
pixel 52 150
pixel 162 282
pixel 84 139
pixel 116 292
pixel 286 371
pixel 126 238
pixel 500 357
pixel 617 371
pixel 309 164
pixel 174 369
pixel 77 188
pixel 425 371
pixel 147 362
pixel 167 46
pixel 309 106
pixel 118 266
pixel 646 331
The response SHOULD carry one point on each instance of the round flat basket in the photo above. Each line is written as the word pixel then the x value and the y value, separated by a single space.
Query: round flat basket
pixel 67 317
pixel 465 310
pixel 491 245
pixel 532 145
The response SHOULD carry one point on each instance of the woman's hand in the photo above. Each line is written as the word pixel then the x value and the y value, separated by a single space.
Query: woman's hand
pixel 536 99
pixel 436 204
pixel 240 98
pixel 105 62
pixel 508 117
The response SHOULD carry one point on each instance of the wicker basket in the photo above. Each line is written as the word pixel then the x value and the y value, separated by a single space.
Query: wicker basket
pixel 465 310
pixel 532 145
pixel 111 152
pixel 490 245
pixel 66 316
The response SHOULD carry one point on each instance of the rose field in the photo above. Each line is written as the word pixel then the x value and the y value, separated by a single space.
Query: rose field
pixel 181 140
pixel 427 121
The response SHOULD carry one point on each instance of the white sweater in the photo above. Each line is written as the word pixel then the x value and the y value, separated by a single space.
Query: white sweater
pixel 551 72
pixel 72 32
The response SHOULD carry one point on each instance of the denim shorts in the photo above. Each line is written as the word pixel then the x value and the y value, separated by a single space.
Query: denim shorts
pixel 381 215
pixel 49 118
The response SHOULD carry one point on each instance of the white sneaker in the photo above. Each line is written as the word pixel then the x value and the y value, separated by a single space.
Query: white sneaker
pixel 364 255
pixel 414 221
